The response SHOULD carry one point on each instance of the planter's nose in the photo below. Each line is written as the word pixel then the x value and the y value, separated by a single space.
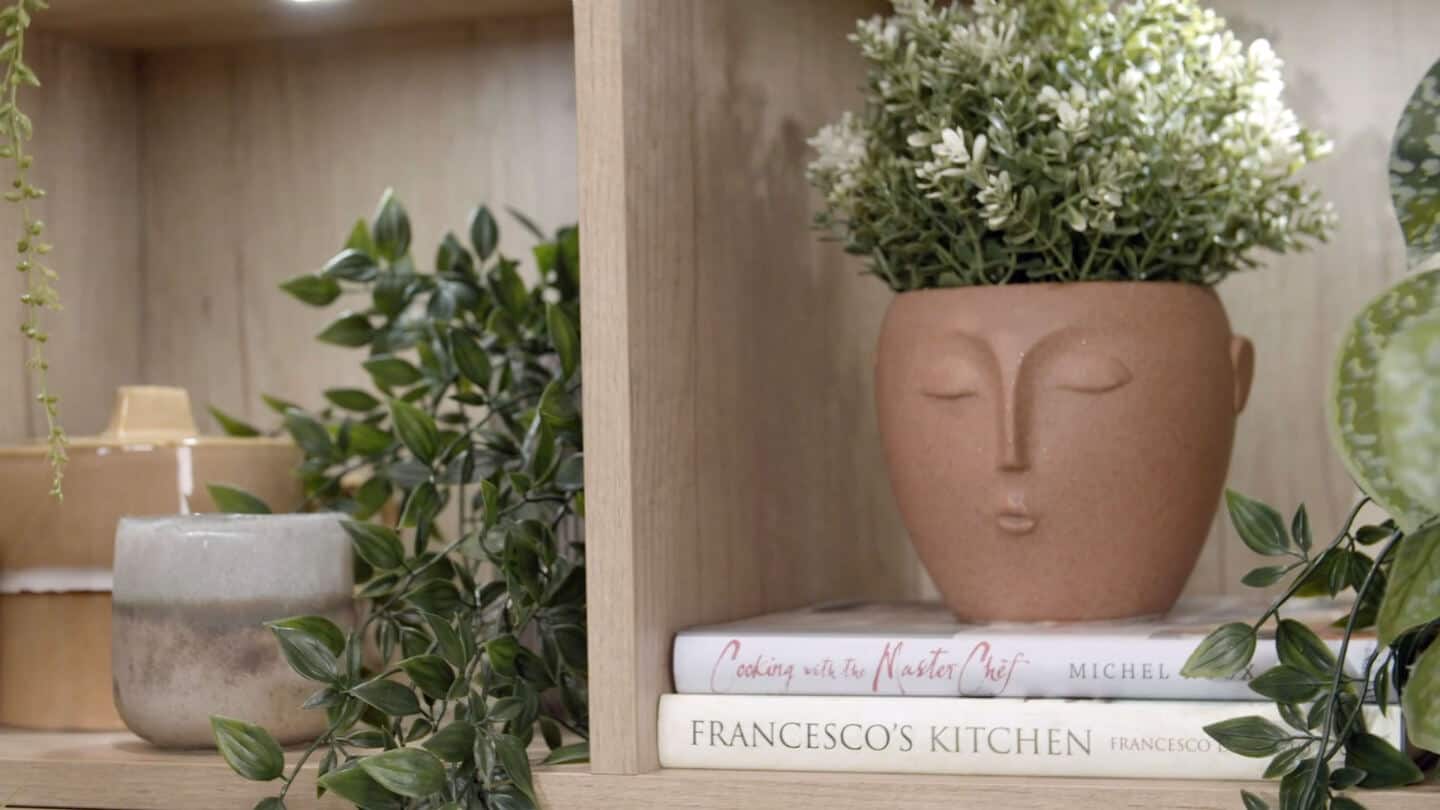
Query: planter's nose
pixel 1012 437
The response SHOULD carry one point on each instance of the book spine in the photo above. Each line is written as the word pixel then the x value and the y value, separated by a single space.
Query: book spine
pixel 966 665
pixel 1131 739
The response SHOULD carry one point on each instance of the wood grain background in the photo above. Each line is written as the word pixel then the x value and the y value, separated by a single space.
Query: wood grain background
pixel 186 183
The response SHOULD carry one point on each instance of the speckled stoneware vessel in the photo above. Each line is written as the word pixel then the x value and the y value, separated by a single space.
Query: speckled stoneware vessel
pixel 192 594
pixel 1057 451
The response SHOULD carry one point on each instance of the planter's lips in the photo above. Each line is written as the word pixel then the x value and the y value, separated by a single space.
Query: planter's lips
pixel 1013 517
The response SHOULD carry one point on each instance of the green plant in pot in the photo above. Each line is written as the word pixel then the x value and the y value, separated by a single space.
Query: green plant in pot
pixel 1385 413
pixel 1052 187
pixel 475 596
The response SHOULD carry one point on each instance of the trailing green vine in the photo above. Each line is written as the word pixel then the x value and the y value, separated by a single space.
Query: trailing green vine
pixel 1386 425
pixel 40 293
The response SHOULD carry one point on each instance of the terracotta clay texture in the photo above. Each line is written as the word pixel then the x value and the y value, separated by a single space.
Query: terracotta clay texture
pixel 1057 451
pixel 192 595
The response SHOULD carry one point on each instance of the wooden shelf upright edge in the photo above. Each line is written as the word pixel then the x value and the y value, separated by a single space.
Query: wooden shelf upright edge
pixel 116 771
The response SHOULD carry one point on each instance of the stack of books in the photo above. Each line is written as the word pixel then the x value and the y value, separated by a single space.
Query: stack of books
pixel 906 688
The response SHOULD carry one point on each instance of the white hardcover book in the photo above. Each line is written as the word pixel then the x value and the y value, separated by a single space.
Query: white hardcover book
pixel 919 649
pixel 975 736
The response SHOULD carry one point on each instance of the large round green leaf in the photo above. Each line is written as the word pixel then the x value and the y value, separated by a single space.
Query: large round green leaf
pixel 1355 411
pixel 1408 397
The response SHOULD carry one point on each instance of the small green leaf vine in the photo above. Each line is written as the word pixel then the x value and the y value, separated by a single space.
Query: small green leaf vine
pixel 40 293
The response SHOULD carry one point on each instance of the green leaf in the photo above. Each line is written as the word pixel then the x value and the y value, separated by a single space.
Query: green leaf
pixel 1421 700
pixel 564 336
pixel 1364 418
pixel 472 361
pixel 1223 653
pixel 378 545
pixel 447 641
pixel 307 432
pixel 1253 802
pixel 1285 762
pixel 1413 595
pixel 232 426
pixel 453 743
pixel 1264 577
pixel 1250 736
pixel 366 440
pixel 431 673
pixel 272 803
pixel 388 696
pixel 1287 684
pixel 1258 525
pixel 236 501
pixel 484 232
pixel 359 238
pixel 557 407
pixel 354 785
pixel 372 495
pixel 279 405
pixel 248 749
pixel 351 265
pixel 352 399
pixel 317 627
pixel 416 429
pixel 1370 535
pixel 516 764
pixel 409 772
pixel 1383 765
pixel 502 652
pixel 527 223
pixel 1345 803
pixel 348 330
pixel 389 371
pixel 1299 647
pixel 422 505
pixel 308 654
pixel 1346 778
pixel 509 288
pixel 1414 188
pixel 568 754
pixel 1300 528
pixel 451 257
pixel 509 800
pixel 391 227
pixel 312 289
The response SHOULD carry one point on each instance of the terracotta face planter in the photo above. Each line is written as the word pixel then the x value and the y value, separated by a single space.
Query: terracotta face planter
pixel 1058 451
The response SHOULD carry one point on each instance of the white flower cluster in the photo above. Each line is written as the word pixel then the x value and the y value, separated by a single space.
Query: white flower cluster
pixel 1019 140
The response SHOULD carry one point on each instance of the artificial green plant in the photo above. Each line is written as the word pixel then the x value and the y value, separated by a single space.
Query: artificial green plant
pixel 1013 141
pixel 40 293
pixel 1386 426
pixel 475 596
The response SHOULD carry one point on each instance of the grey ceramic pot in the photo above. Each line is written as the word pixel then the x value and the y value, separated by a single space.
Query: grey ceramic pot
pixel 192 594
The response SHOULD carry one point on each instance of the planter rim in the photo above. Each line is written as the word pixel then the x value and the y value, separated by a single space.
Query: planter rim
pixel 1127 285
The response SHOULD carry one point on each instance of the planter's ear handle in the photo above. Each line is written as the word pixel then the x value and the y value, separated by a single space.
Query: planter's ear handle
pixel 1242 358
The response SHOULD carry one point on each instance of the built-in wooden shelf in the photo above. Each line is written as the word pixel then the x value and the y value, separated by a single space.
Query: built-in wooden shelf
pixel 150 24
pixel 116 771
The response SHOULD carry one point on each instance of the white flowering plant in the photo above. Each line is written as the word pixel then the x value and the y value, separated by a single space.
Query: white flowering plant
pixel 1013 141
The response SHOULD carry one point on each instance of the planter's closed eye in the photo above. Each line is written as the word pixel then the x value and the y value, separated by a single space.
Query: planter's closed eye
pixel 1089 373
pixel 956 380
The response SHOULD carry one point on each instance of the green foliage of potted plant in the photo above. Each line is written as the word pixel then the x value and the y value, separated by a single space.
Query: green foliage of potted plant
pixel 1386 425
pixel 1052 186
pixel 477 610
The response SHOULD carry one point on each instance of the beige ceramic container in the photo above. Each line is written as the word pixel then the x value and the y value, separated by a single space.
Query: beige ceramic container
pixel 1057 451
pixel 55 558
pixel 192 595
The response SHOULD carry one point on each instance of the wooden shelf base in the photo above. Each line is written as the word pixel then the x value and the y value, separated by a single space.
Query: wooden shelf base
pixel 116 771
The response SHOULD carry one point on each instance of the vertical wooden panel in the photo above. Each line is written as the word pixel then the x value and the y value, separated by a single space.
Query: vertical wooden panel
pixel 259 158
pixel 1349 69
pixel 86 152
pixel 727 352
